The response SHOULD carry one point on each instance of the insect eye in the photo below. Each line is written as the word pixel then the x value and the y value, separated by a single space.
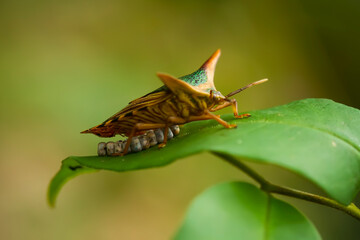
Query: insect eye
pixel 216 96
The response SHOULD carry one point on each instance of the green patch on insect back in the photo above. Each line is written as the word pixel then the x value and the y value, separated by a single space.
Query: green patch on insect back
pixel 196 78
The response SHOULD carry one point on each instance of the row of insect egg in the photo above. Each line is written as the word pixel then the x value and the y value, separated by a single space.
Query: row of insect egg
pixel 138 143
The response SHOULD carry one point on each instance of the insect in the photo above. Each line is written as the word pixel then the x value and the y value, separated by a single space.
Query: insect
pixel 181 100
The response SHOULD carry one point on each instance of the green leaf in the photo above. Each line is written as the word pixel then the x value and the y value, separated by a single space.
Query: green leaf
pixel 239 210
pixel 317 138
pixel 69 169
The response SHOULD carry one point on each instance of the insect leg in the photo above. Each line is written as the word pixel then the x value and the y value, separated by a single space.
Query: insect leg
pixel 163 144
pixel 224 105
pixel 137 127
pixel 170 121
pixel 222 122
pixel 233 103
pixel 235 110
pixel 208 115
pixel 148 126
pixel 176 120
pixel 128 142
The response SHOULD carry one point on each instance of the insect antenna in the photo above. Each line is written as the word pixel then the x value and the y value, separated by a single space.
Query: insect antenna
pixel 246 87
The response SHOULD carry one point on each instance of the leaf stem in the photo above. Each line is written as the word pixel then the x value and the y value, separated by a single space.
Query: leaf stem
pixel 265 185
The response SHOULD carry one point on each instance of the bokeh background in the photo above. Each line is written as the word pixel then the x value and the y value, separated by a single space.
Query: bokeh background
pixel 67 65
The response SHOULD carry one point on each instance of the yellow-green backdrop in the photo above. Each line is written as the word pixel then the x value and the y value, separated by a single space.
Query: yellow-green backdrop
pixel 68 65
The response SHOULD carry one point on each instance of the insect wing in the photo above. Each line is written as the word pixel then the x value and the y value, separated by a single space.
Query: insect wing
pixel 140 103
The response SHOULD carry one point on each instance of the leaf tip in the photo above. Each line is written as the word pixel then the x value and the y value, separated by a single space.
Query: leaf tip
pixel 70 168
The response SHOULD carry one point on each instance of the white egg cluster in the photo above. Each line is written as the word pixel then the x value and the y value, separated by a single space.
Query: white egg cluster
pixel 138 143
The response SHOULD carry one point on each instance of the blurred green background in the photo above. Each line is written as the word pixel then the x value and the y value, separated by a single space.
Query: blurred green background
pixel 68 65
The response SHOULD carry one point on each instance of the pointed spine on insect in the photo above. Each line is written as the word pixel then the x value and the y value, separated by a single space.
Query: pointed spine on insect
pixel 181 100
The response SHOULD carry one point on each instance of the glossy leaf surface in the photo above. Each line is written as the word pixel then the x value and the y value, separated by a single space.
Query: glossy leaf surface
pixel 317 138
pixel 239 210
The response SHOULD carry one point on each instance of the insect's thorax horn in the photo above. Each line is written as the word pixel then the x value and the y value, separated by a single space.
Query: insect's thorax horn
pixel 203 78
pixel 209 67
